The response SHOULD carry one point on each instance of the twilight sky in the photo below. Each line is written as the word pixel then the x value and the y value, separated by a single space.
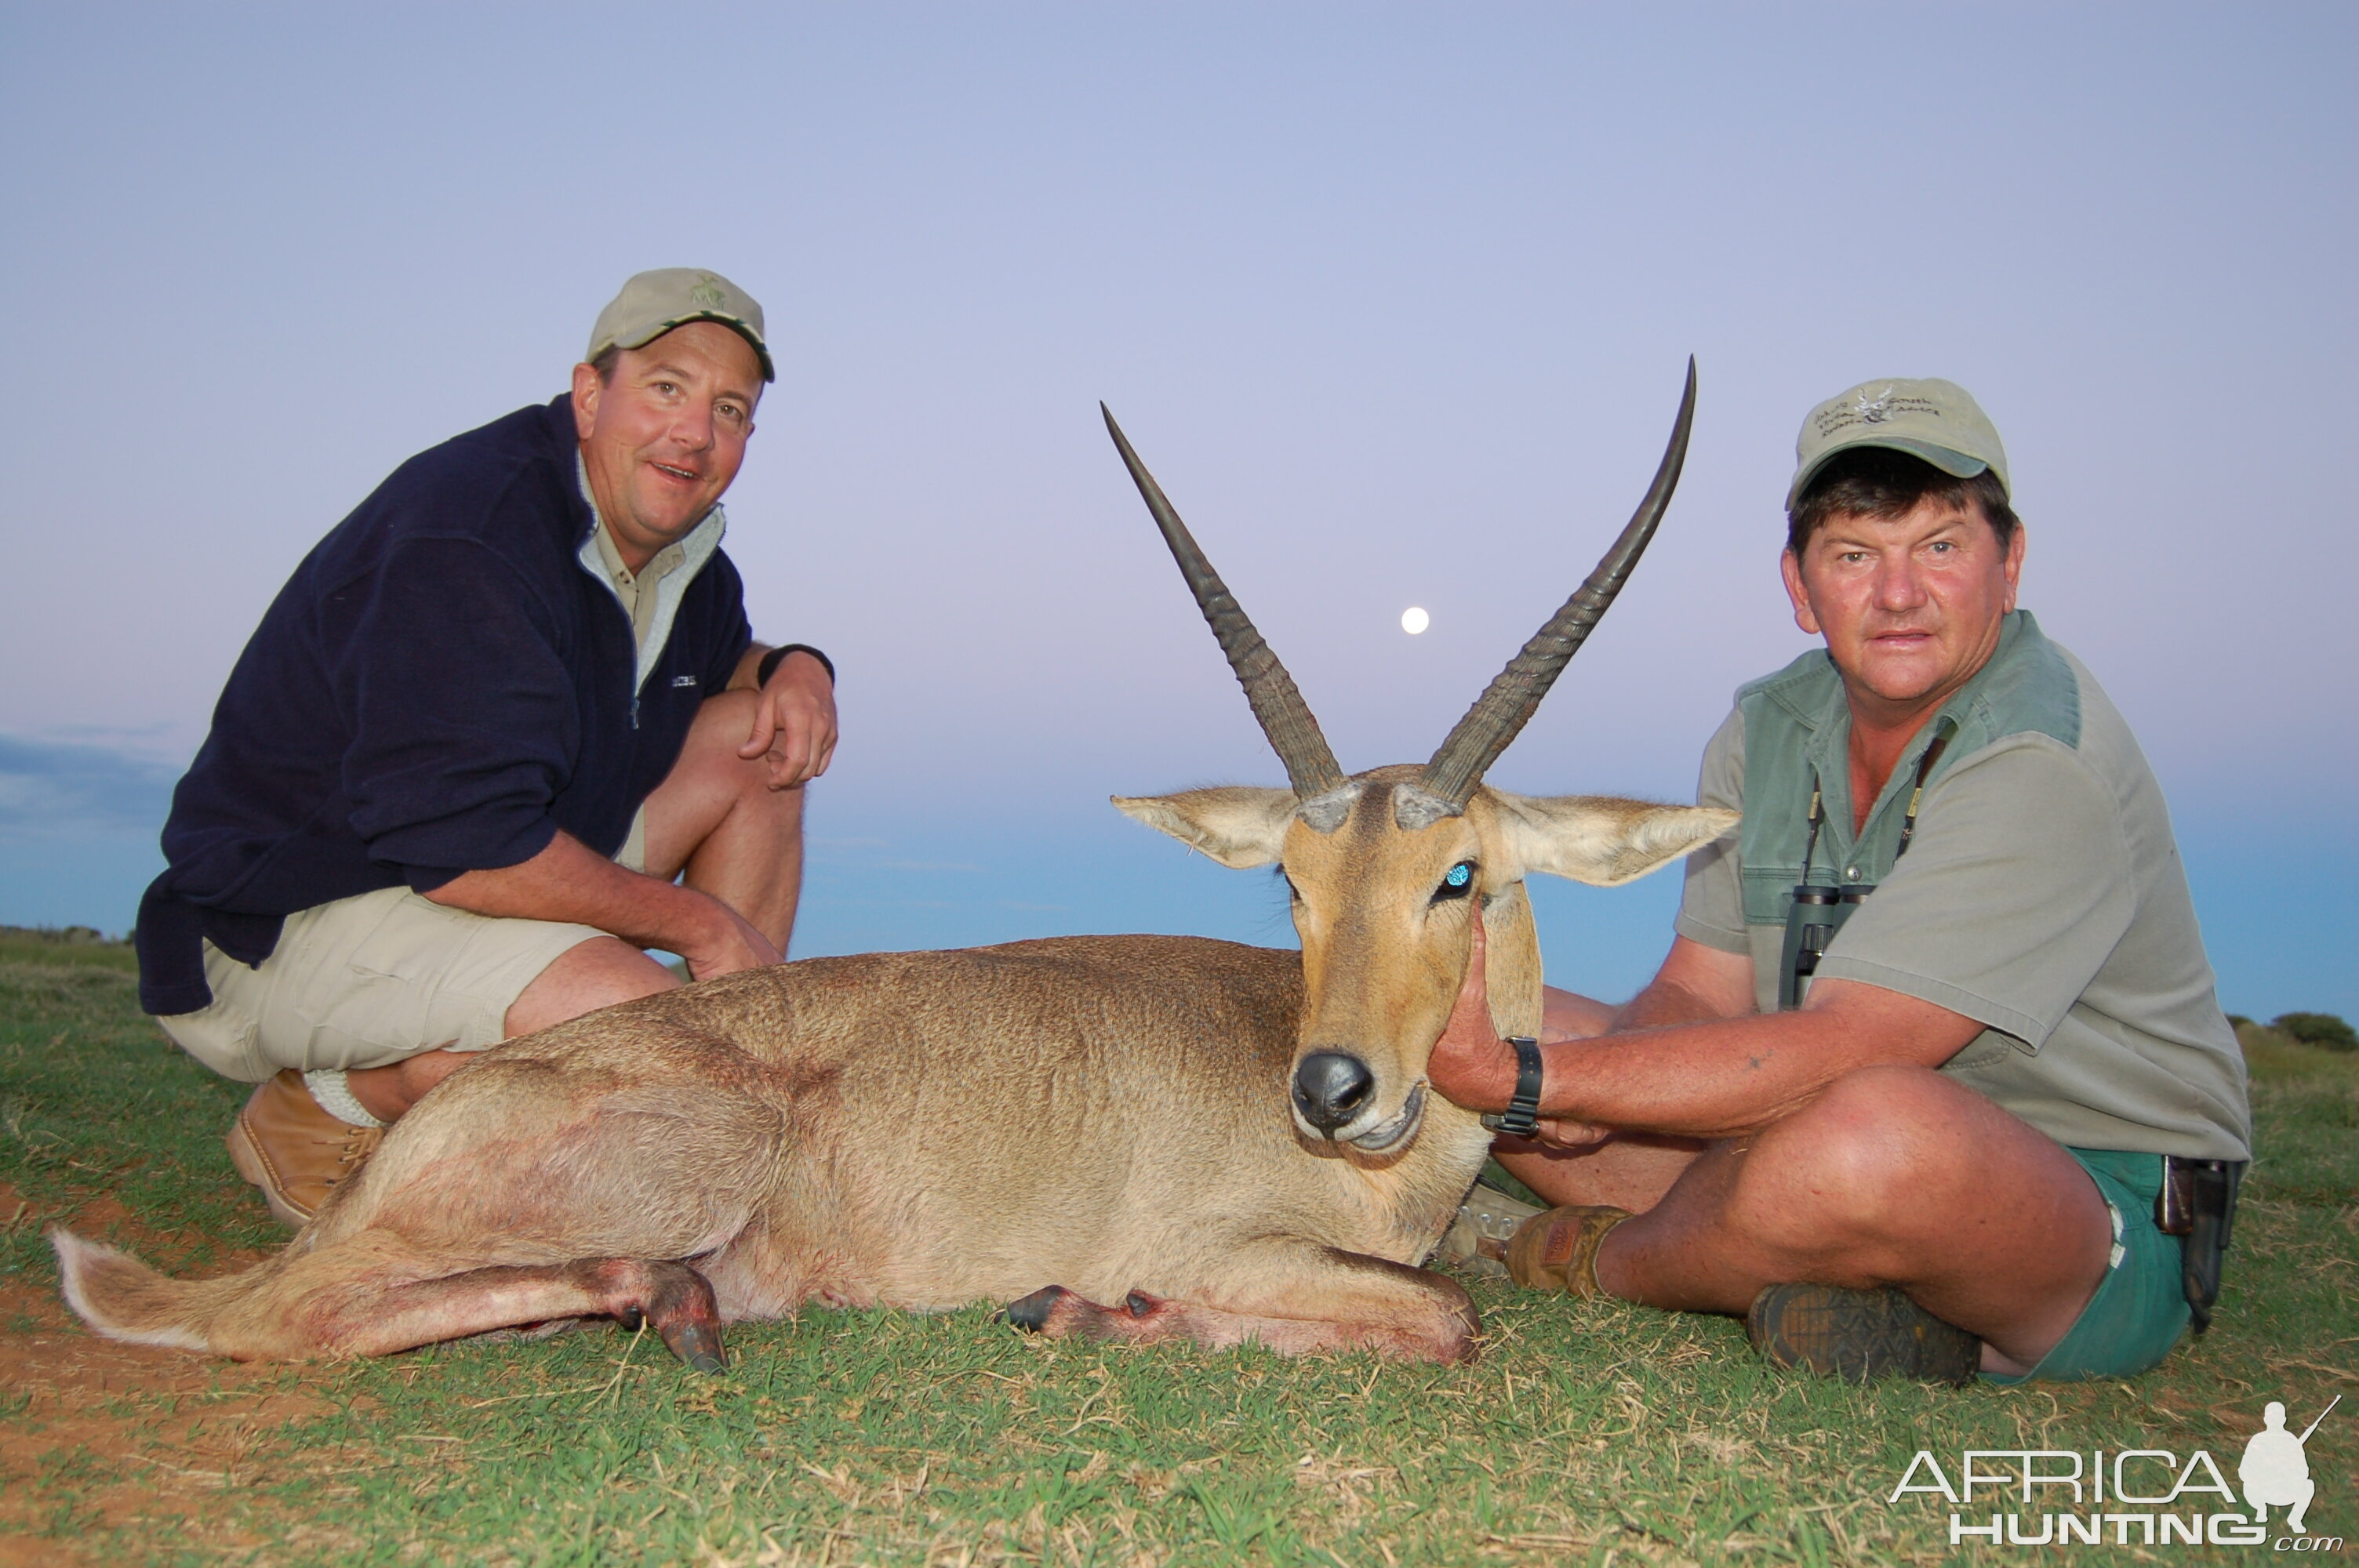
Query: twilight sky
pixel 1393 300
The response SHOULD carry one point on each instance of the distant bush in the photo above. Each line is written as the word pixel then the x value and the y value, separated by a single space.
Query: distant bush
pixel 2325 1030
pixel 2237 1021
pixel 68 945
pixel 69 936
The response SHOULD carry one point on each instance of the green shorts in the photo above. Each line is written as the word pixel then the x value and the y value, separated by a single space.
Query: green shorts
pixel 2140 1309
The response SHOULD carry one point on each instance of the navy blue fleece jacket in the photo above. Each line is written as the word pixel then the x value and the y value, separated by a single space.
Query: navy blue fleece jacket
pixel 438 688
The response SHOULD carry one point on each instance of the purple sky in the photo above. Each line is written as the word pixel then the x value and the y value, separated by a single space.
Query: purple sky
pixel 1394 301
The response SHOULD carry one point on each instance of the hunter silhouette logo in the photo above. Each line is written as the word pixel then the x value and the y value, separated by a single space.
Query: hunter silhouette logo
pixel 2134 1496
pixel 2274 1469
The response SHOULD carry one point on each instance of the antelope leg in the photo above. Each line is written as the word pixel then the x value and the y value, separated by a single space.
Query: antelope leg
pixel 1298 1298
pixel 353 1318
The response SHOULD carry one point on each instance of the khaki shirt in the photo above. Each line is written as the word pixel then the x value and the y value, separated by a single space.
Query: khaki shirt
pixel 650 596
pixel 2042 896
pixel 640 592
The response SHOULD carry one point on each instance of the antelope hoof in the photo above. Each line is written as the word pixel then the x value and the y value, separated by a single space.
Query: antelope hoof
pixel 1032 1313
pixel 677 1302
pixel 1059 1314
pixel 698 1345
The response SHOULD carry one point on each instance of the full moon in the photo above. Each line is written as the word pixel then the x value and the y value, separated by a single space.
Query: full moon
pixel 1414 621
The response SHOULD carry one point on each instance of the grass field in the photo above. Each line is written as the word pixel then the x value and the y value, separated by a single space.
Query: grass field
pixel 1587 1433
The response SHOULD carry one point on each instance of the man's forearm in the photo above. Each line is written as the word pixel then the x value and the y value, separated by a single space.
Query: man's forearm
pixel 1730 1076
pixel 1716 1078
pixel 570 881
pixel 1708 1078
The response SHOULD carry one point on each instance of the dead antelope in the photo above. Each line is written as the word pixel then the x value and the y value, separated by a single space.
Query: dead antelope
pixel 1226 1142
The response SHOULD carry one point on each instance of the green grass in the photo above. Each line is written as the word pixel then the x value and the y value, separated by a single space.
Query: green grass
pixel 1587 1431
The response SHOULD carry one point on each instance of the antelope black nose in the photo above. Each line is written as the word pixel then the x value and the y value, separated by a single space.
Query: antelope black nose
pixel 1329 1089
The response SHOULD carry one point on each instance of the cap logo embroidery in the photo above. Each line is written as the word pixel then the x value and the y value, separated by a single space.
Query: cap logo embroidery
pixel 707 292
pixel 1874 410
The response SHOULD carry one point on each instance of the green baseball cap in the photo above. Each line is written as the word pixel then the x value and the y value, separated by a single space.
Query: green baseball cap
pixel 1936 420
pixel 653 303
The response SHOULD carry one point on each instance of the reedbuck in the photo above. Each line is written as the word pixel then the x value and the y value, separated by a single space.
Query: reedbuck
pixel 1144 1138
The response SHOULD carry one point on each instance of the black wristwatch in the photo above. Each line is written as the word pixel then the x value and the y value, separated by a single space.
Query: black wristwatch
pixel 1521 1118
pixel 771 660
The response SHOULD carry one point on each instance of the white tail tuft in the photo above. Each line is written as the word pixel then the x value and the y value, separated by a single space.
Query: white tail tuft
pixel 79 1259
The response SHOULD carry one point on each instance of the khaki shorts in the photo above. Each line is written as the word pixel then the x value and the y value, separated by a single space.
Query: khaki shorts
pixel 373 979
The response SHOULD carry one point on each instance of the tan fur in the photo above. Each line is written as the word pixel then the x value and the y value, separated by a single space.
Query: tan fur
pixel 1109 1116
pixel 920 1129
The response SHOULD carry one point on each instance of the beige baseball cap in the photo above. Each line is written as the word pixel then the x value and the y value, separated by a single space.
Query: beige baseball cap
pixel 653 303
pixel 1936 420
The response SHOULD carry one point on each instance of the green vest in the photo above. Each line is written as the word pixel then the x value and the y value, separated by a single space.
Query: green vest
pixel 1798 730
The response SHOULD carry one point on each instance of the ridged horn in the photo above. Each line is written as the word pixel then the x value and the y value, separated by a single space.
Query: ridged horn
pixel 1277 702
pixel 1508 703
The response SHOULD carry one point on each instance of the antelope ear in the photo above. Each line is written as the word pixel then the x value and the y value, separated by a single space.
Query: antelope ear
pixel 1237 826
pixel 1601 839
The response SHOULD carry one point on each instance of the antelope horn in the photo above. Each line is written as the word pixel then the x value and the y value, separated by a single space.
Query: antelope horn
pixel 1277 702
pixel 1501 712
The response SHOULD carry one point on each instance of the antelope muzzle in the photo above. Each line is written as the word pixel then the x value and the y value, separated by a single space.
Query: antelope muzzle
pixel 1335 1097
pixel 1331 1088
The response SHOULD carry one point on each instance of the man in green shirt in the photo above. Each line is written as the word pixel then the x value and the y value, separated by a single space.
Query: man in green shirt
pixel 1922 1132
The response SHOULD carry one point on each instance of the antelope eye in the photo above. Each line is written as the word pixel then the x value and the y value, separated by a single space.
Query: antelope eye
pixel 1456 881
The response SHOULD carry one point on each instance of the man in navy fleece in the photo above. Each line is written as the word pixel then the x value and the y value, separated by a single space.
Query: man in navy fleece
pixel 505 727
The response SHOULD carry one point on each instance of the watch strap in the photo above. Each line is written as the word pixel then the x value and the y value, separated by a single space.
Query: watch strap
pixel 776 656
pixel 1521 1118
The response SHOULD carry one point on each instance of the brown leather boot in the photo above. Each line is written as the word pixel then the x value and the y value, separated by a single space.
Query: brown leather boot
pixel 295 1152
pixel 1858 1336
pixel 1558 1250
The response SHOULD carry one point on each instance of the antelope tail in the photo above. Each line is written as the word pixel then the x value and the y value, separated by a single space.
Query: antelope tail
pixel 123 1298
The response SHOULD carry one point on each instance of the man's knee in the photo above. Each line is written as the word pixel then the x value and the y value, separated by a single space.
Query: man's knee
pixel 584 978
pixel 723 724
pixel 712 788
pixel 1861 1160
pixel 724 714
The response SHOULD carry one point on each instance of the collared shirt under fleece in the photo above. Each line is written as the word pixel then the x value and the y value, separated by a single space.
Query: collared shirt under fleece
pixel 651 595
pixel 2042 896
pixel 447 680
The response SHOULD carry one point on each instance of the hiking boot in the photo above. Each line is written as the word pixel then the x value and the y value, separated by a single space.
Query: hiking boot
pixel 295 1152
pixel 1476 1242
pixel 1558 1250
pixel 1860 1335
